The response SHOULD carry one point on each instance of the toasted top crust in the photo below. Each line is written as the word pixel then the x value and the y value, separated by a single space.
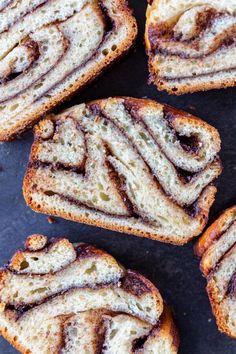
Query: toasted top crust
pixel 89 291
pixel 51 49
pixel 127 164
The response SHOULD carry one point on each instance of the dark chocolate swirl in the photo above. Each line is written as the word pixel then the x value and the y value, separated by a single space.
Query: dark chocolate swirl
pixel 50 48
pixel 217 247
pixel 192 47
pixel 64 298
pixel 126 160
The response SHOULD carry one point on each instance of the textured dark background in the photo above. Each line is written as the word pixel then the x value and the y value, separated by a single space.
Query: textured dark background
pixel 174 270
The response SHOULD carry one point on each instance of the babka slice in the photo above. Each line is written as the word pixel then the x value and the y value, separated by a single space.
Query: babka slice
pixel 56 297
pixel 51 48
pixel 128 165
pixel 191 45
pixel 217 249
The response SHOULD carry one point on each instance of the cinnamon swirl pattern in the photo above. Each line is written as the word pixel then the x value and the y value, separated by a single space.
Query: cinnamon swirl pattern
pixel 191 45
pixel 62 298
pixel 128 165
pixel 217 249
pixel 51 48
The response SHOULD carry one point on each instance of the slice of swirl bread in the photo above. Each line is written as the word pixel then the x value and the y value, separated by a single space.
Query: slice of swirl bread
pixel 128 165
pixel 217 249
pixel 56 297
pixel 51 48
pixel 191 45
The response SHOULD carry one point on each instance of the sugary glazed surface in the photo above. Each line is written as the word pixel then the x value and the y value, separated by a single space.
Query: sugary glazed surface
pixel 51 48
pixel 57 297
pixel 191 44
pixel 126 164
pixel 217 249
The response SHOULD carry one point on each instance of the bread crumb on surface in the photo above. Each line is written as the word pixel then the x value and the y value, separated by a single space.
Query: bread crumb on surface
pixel 51 220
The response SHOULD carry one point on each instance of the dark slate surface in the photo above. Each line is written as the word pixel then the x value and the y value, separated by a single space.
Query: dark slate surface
pixel 173 269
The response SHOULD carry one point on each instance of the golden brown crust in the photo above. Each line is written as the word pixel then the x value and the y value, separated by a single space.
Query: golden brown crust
pixel 13 340
pixel 108 225
pixel 168 326
pixel 35 242
pixel 130 284
pixel 199 87
pixel 30 119
pixel 205 201
pixel 220 316
pixel 174 86
pixel 213 231
pixel 205 248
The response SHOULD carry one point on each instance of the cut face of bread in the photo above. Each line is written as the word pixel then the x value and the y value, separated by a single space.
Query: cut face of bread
pixel 125 164
pixel 85 304
pixel 50 49
pixel 191 45
pixel 217 249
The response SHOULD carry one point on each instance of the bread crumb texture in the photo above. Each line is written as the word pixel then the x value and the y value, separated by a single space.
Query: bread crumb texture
pixel 191 45
pixel 51 49
pixel 217 249
pixel 66 298
pixel 130 165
